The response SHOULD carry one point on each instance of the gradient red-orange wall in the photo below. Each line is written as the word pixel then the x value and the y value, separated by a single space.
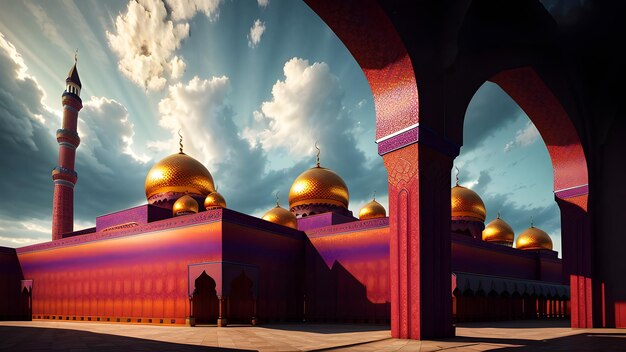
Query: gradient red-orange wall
pixel 135 276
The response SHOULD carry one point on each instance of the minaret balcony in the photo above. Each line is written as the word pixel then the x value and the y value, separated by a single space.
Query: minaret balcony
pixel 62 173
pixel 67 136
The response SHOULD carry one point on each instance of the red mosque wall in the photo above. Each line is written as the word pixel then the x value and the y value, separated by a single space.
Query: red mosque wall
pixel 347 276
pixel 278 257
pixel 134 277
pixel 472 256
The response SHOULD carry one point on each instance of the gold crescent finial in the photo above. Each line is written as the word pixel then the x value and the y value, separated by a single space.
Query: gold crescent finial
pixel 532 224
pixel 498 215
pixel 76 56
pixel 457 175
pixel 318 154
pixel 374 194
pixel 180 142
pixel 276 195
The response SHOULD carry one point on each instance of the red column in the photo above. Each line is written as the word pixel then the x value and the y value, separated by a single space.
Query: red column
pixel 419 222
pixel 64 175
pixel 577 257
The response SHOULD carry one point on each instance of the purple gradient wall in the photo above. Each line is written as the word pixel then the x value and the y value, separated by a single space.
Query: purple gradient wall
pixel 347 272
pixel 132 277
pixel 475 256
pixel 278 253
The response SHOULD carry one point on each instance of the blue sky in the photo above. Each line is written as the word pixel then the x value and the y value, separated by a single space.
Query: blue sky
pixel 252 84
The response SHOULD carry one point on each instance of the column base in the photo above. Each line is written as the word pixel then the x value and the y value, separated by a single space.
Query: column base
pixel 190 321
pixel 221 322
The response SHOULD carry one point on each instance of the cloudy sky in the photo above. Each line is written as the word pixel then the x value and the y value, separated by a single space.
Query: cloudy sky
pixel 252 85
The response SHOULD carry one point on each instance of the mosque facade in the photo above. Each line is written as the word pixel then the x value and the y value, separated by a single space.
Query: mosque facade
pixel 186 258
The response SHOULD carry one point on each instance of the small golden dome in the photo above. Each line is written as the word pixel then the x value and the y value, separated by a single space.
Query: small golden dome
pixel 533 238
pixel 214 200
pixel 185 205
pixel 319 185
pixel 499 231
pixel 372 210
pixel 178 173
pixel 281 216
pixel 466 203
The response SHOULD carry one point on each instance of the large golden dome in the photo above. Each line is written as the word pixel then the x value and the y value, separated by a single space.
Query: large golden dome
pixel 185 205
pixel 498 231
pixel 466 203
pixel 281 216
pixel 533 238
pixel 178 173
pixel 372 210
pixel 319 185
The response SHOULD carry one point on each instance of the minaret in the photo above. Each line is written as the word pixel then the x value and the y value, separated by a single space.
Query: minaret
pixel 64 175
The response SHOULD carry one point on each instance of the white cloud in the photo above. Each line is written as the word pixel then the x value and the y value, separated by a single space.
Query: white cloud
pixel 256 31
pixel 145 41
pixel 186 9
pixel 523 137
pixel 305 106
pixel 19 67
pixel 104 126
pixel 196 108
pixel 263 3
pixel 37 228
pixel 19 241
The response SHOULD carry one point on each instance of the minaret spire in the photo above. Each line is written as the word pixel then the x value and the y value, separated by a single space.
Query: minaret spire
pixel 318 154
pixel 180 142
pixel 64 175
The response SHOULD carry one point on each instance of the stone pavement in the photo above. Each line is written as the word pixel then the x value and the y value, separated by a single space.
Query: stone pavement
pixel 519 336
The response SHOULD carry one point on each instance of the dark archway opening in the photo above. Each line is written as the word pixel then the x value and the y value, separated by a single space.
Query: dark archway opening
pixel 204 301
pixel 241 300
pixel 26 306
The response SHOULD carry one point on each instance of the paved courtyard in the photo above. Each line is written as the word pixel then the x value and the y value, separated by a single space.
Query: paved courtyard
pixel 502 336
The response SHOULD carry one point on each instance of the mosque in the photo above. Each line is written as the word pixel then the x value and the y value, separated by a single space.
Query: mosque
pixel 186 258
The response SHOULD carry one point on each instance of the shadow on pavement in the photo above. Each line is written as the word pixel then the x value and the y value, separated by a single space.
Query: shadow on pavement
pixel 518 324
pixel 580 342
pixel 13 338
pixel 334 328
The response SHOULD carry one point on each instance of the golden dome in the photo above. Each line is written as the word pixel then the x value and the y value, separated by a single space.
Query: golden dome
pixel 185 205
pixel 281 216
pixel 372 210
pixel 214 200
pixel 498 231
pixel 178 173
pixel 466 203
pixel 533 238
pixel 319 185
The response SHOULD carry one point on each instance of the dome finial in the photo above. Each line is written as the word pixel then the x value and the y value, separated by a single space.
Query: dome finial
pixel 532 223
pixel 498 216
pixel 180 142
pixel 276 195
pixel 318 154
pixel 374 195
pixel 76 56
pixel 457 175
